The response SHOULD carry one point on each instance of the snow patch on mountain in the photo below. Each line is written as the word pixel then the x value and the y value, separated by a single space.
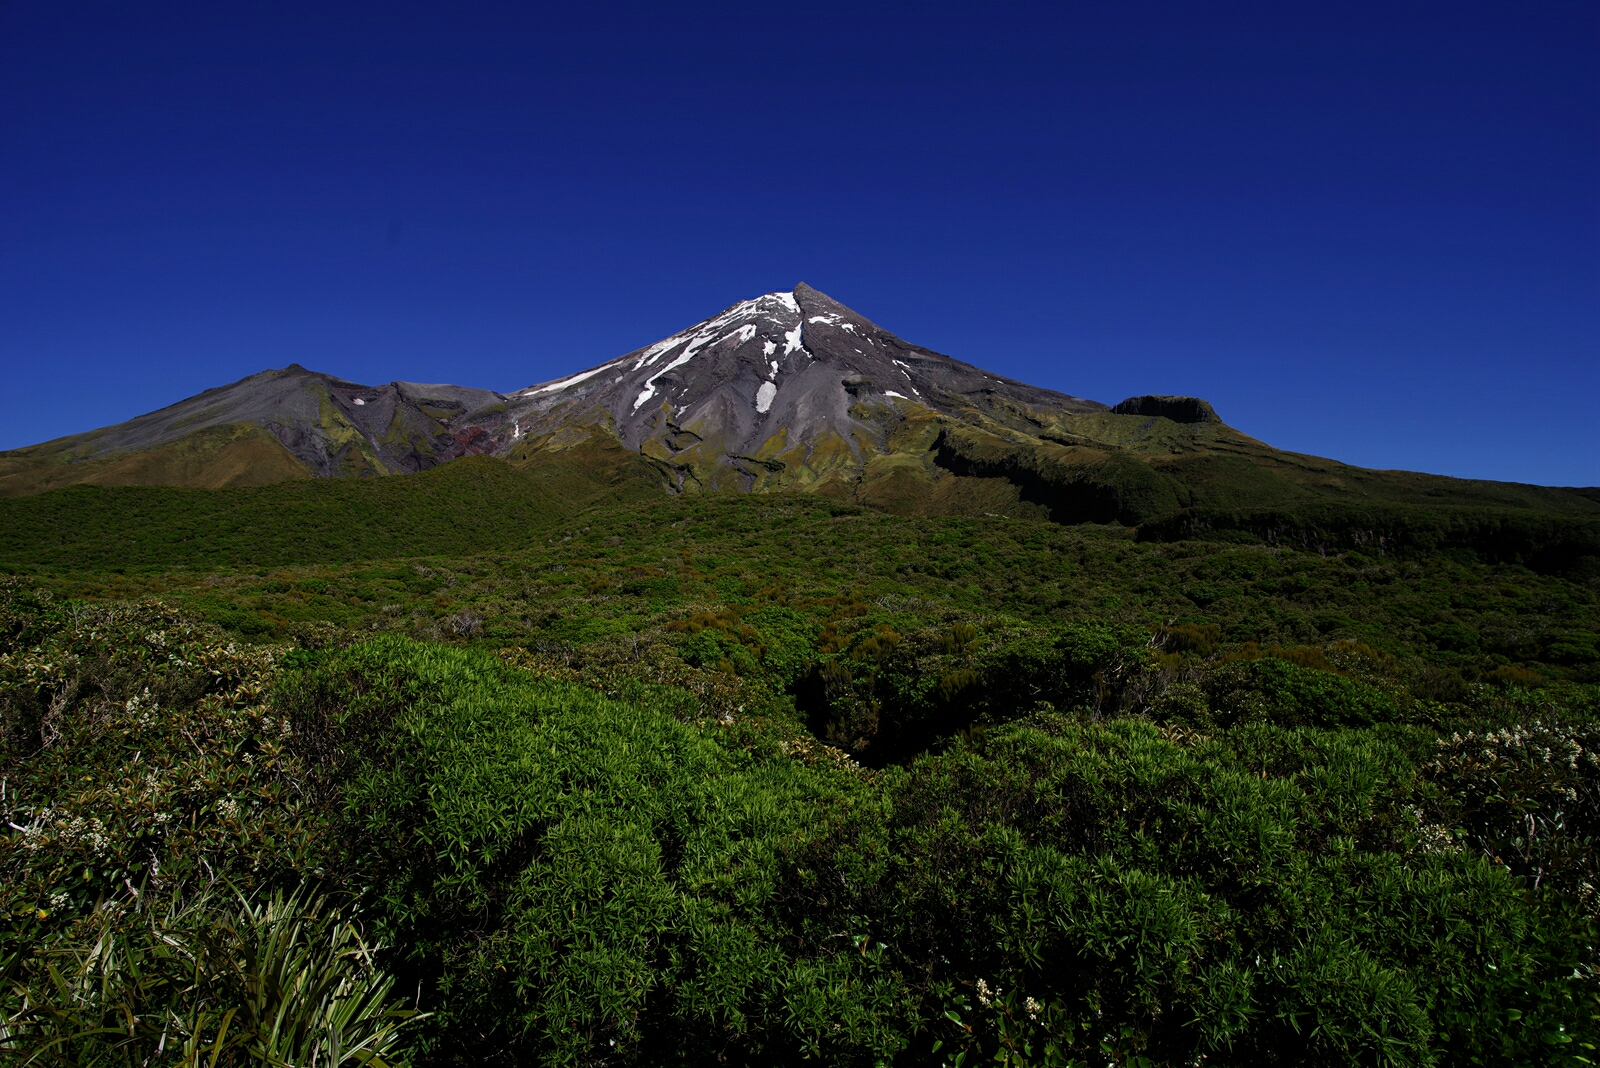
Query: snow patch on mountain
pixel 650 383
pixel 833 320
pixel 764 396
pixel 651 354
pixel 564 383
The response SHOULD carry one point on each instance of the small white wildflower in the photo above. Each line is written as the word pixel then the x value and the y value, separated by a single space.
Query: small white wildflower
pixel 1436 838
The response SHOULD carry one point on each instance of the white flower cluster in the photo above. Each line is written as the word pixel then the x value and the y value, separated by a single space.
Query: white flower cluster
pixel 143 707
pixel 987 997
pixel 48 827
pixel 90 832
pixel 1549 745
pixel 1436 838
pixel 1433 837
pixel 273 724
pixel 33 834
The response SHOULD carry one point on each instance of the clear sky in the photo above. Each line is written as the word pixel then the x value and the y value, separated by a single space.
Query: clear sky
pixel 1369 231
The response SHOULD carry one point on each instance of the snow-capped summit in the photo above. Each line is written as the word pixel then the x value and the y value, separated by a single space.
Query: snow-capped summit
pixel 773 379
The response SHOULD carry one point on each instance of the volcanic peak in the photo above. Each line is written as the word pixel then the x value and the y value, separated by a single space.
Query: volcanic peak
pixel 795 360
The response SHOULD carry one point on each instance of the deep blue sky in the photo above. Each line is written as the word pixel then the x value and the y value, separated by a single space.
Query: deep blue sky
pixel 1366 231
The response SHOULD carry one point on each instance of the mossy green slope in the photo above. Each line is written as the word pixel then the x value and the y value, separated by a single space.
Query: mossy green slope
pixel 1105 467
pixel 1101 467
pixel 278 424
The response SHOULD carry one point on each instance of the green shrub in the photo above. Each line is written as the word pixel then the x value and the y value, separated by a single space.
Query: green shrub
pixel 1177 899
pixel 1280 692
pixel 1527 797
pixel 786 645
pixel 141 771
pixel 932 684
pixel 1181 833
pixel 577 877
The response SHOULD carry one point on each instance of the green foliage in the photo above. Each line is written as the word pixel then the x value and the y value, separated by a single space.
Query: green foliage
pixel 1265 895
pixel 141 771
pixel 1527 796
pixel 586 876
pixel 1128 801
pixel 139 751
pixel 1116 489
pixel 285 980
pixel 890 700
pixel 787 649
pixel 1547 542
pixel 1278 691
pixel 308 521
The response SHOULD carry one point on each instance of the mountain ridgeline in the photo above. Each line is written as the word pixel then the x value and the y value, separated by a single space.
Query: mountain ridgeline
pixel 789 392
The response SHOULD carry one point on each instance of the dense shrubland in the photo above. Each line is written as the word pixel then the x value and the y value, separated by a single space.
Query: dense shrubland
pixel 753 781
pixel 160 881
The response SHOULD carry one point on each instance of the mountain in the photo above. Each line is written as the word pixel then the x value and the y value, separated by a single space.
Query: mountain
pixel 272 426
pixel 789 391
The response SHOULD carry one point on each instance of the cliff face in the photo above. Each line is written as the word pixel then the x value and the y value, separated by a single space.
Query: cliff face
pixel 1178 409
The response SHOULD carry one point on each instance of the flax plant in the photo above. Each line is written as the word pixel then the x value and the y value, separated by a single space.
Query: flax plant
pixel 285 980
